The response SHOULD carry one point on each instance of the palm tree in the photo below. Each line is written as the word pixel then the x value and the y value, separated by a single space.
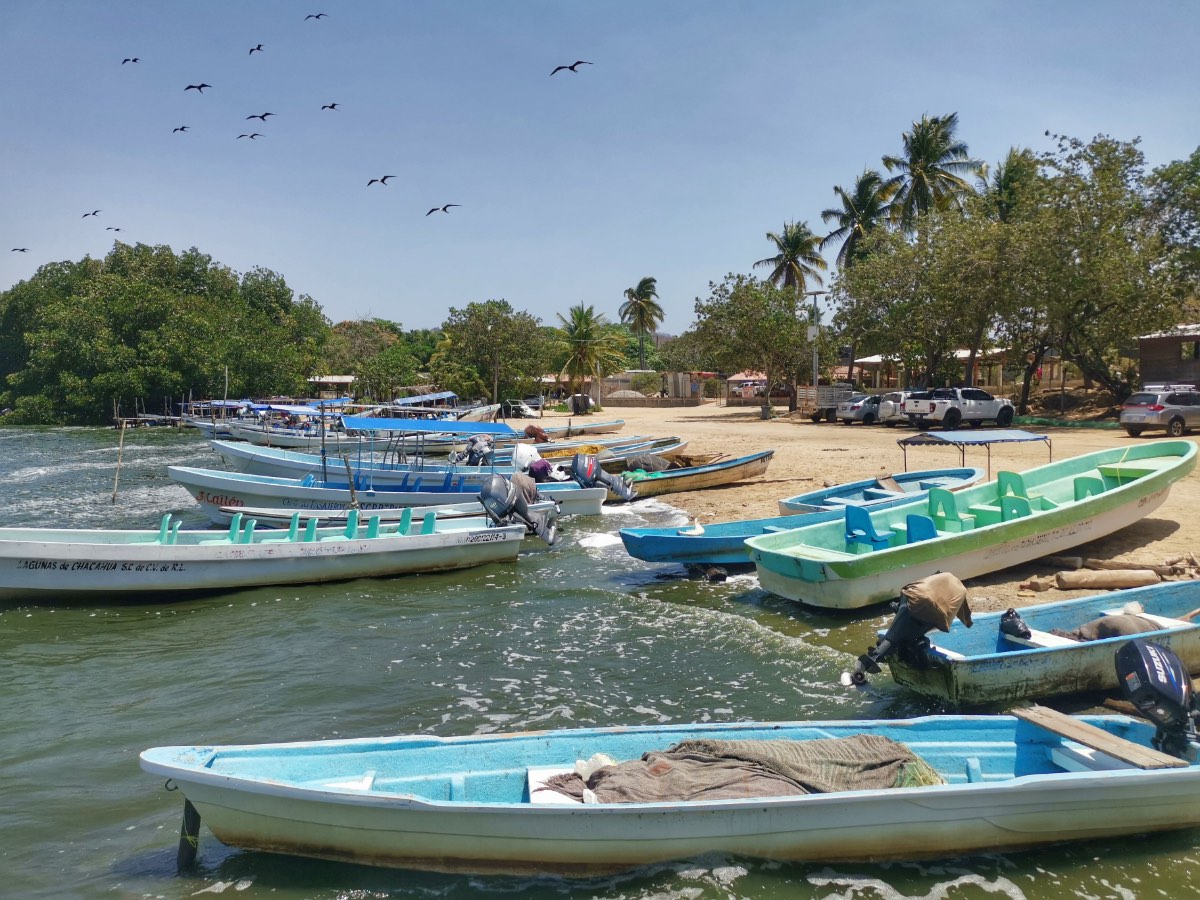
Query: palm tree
pixel 642 312
pixel 587 346
pixel 1002 187
pixel 864 208
pixel 798 260
pixel 931 169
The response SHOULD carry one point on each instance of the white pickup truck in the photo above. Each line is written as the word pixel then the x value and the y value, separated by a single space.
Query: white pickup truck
pixel 951 407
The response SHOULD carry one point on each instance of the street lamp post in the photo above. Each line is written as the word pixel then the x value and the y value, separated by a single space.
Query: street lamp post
pixel 813 331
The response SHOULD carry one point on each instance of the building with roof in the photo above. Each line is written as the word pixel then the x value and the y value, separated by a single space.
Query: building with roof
pixel 1171 356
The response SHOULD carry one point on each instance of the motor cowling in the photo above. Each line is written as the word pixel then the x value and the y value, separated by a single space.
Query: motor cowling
pixel 505 503
pixel 480 451
pixel 523 456
pixel 1156 682
pixel 587 473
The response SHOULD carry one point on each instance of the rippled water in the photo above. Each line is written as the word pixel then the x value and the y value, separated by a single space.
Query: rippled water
pixel 580 635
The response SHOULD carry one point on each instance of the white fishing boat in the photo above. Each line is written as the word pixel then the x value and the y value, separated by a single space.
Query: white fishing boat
pixel 813 791
pixel 44 563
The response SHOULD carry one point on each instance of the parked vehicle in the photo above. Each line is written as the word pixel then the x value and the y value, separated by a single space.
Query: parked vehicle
pixel 535 401
pixel 517 409
pixel 951 407
pixel 859 408
pixel 891 408
pixel 1172 408
pixel 822 402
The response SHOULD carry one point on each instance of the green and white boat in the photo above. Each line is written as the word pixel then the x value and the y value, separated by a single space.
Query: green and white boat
pixel 867 557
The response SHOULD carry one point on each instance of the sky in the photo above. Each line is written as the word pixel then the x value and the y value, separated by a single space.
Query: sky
pixel 697 128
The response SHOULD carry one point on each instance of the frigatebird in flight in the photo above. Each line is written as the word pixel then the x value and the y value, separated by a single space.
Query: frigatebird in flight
pixel 130 59
pixel 94 212
pixel 197 87
pixel 571 67
pixel 20 249
pixel 257 49
pixel 382 180
pixel 263 116
pixel 315 16
pixel 180 128
pixel 330 106
pixel 251 136
pixel 111 228
pixel 445 209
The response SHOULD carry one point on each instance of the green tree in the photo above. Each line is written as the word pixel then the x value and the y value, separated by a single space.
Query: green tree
pixel 504 346
pixel 687 353
pixel 1174 206
pixel 864 208
pixel 750 324
pixel 383 374
pixel 932 169
pixel 587 347
pixel 642 313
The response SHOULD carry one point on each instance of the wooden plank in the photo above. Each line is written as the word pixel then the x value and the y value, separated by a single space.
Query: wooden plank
pixel 888 483
pixel 1097 738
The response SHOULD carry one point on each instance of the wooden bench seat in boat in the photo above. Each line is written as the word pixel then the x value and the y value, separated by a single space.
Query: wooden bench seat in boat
pixel 1089 735
pixel 535 784
pixel 1040 640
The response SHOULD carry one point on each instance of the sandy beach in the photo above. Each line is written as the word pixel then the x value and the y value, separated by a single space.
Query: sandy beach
pixel 809 456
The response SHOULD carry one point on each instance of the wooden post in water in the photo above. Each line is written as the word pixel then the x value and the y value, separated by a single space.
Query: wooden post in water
pixel 189 836
pixel 120 451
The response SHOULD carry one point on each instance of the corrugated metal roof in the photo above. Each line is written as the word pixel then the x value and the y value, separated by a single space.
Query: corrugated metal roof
pixel 1180 331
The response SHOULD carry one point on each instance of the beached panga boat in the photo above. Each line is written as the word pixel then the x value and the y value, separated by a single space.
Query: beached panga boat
pixel 43 563
pixel 983 664
pixel 281 517
pixel 213 489
pixel 724 543
pixel 481 804
pixel 869 556
pixel 694 478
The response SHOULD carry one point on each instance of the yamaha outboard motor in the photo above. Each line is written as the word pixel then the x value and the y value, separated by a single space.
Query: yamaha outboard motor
pixel 587 472
pixel 1156 682
pixel 505 504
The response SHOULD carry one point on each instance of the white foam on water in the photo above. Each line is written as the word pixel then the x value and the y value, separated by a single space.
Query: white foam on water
pixel 596 541
pixel 857 886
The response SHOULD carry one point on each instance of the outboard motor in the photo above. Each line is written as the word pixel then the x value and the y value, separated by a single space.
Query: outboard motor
pixel 504 504
pixel 523 456
pixel 587 472
pixel 1156 682
pixel 480 451
pixel 933 602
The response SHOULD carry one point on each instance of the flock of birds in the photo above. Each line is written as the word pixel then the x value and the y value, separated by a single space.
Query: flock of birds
pixel 262 117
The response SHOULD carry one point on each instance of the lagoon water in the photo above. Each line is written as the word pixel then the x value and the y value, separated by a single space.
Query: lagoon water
pixel 576 636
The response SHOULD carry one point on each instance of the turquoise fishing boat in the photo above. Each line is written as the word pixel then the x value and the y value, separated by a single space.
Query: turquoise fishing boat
pixel 868 556
pixel 724 543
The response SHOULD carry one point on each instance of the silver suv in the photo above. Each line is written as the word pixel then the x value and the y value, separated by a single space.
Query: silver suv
pixel 1174 408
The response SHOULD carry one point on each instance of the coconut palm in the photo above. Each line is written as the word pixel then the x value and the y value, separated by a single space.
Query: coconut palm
pixel 798 260
pixel 588 346
pixel 931 169
pixel 1001 188
pixel 642 313
pixel 863 208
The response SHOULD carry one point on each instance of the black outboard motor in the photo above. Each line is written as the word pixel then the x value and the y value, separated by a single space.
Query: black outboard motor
pixel 933 602
pixel 905 631
pixel 505 504
pixel 1156 682
pixel 587 473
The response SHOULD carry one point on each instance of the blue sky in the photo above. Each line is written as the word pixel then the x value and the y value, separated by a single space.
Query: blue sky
pixel 699 127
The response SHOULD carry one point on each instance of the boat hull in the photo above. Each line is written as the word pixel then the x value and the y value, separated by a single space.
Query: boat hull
pixel 981 666
pixel 800 565
pixel 699 477
pixel 373 824
pixel 213 489
pixel 33 570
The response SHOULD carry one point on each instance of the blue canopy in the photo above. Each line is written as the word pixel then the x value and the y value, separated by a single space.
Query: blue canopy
pixel 974 437
pixel 425 426
pixel 422 399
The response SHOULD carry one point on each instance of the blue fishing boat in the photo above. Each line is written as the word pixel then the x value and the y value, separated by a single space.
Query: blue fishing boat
pixel 724 543
pixel 988 663
pixel 579 802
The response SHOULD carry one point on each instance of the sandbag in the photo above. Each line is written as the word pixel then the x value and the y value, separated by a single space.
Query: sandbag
pixel 938 600
pixel 647 462
pixel 1118 578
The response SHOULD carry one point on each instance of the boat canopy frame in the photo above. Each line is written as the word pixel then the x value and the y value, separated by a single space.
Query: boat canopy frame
pixel 962 440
